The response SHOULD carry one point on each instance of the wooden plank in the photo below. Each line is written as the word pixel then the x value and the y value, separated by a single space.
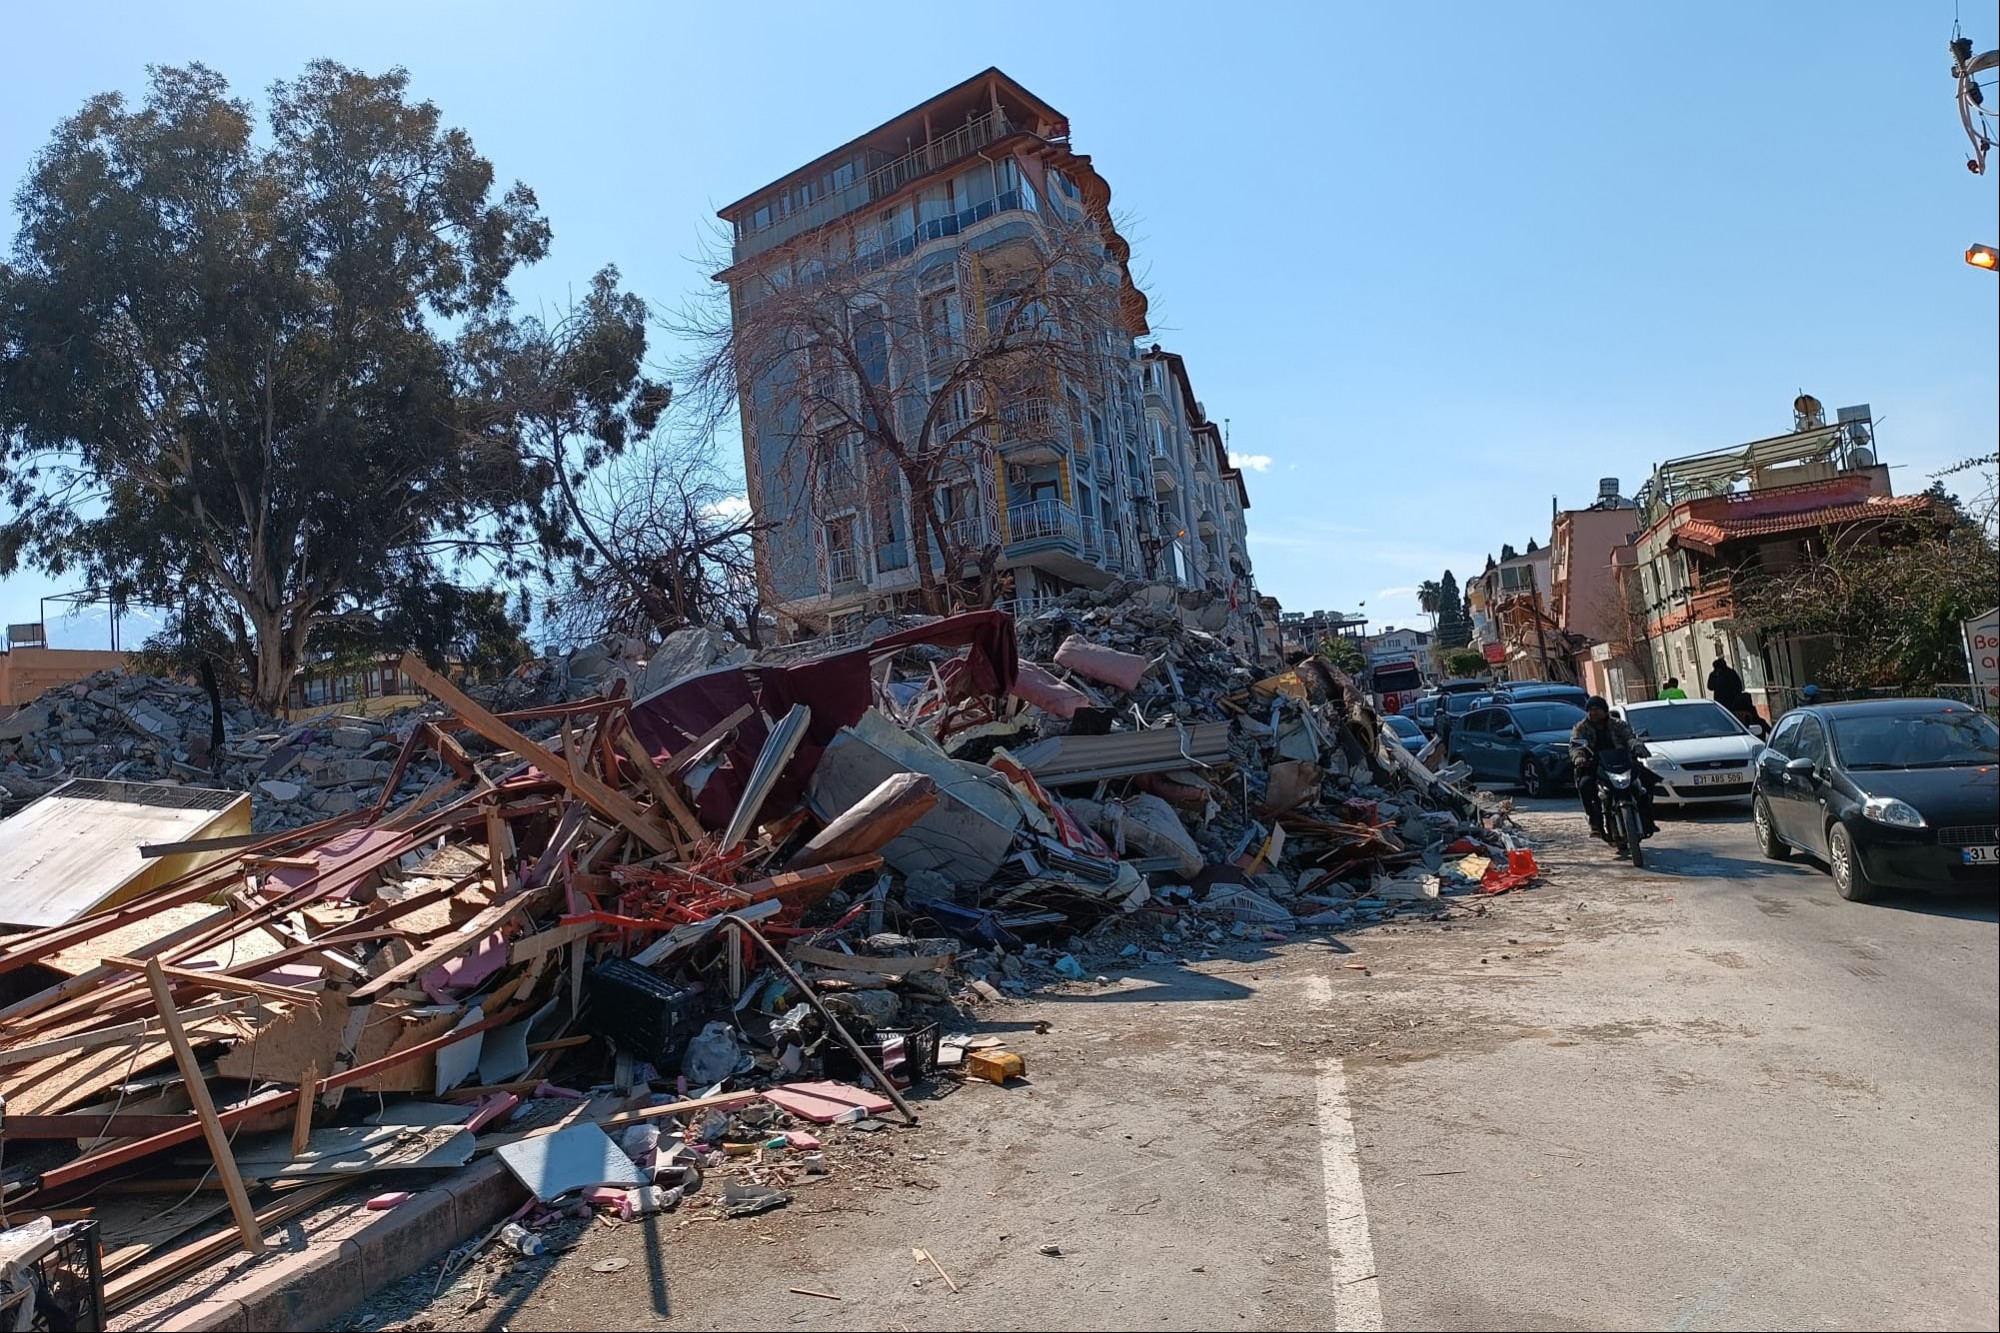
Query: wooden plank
pixel 302 1117
pixel 451 946
pixel 221 981
pixel 449 750
pixel 794 881
pixel 685 757
pixel 130 1287
pixel 85 1125
pixel 601 798
pixel 530 946
pixel 227 843
pixel 111 1036
pixel 656 782
pixel 85 1167
pixel 888 967
pixel 204 1109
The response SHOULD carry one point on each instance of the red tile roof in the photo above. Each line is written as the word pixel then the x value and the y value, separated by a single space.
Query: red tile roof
pixel 1705 534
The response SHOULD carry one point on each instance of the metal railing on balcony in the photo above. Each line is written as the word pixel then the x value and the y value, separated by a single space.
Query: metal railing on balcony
pixel 884 181
pixel 1164 469
pixel 1032 419
pixel 841 569
pixel 969 535
pixel 1090 537
pixel 1039 520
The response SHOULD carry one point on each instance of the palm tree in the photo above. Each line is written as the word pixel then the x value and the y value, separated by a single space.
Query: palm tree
pixel 1430 598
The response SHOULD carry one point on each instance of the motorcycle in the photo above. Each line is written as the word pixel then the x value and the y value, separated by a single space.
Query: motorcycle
pixel 1620 787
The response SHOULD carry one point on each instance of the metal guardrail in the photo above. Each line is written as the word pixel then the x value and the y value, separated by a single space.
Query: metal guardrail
pixel 841 570
pixel 1040 519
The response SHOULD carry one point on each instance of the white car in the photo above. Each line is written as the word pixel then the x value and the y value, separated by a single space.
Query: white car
pixel 1702 754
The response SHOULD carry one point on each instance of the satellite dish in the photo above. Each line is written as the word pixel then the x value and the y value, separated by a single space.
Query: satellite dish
pixel 1861 457
pixel 1808 412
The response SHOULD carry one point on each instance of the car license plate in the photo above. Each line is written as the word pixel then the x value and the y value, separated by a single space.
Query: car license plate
pixel 1716 779
pixel 1981 856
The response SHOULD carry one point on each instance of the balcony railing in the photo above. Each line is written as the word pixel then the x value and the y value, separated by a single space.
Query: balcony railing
pixel 1164 470
pixel 1090 538
pixel 1036 419
pixel 969 535
pixel 1039 520
pixel 841 570
pixel 884 181
pixel 1100 458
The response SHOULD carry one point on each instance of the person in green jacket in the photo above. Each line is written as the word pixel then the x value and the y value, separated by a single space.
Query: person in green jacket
pixel 1672 689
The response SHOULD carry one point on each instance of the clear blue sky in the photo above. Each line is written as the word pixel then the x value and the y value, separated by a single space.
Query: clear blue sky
pixel 1437 263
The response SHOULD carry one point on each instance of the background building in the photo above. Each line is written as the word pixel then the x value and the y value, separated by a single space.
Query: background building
pixel 1711 518
pixel 959 391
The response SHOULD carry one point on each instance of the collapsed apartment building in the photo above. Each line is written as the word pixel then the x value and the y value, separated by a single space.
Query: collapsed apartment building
pixel 641 930
pixel 984 316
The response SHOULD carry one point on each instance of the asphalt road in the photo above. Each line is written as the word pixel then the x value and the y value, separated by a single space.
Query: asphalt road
pixel 1704 1095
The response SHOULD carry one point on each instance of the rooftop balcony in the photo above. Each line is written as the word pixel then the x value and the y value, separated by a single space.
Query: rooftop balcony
pixel 884 181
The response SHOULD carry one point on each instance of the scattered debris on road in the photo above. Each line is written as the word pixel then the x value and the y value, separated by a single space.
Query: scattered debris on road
pixel 632 925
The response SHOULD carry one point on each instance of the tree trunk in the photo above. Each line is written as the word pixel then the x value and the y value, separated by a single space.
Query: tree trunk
pixel 274 673
pixel 920 541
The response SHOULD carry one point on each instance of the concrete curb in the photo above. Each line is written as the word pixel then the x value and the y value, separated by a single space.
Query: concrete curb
pixel 351 1254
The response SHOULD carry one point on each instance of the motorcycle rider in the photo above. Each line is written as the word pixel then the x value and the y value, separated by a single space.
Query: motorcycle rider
pixel 1596 733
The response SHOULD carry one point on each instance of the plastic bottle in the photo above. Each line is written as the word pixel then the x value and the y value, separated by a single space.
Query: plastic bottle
pixel 521 1240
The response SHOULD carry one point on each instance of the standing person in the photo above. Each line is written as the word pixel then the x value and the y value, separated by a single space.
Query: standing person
pixel 1725 686
pixel 1672 689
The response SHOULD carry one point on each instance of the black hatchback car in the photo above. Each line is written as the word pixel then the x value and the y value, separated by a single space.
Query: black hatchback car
pixel 1889 793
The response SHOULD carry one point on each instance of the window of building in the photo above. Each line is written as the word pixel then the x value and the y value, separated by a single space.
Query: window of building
pixel 940 319
pixel 843 175
pixel 892 546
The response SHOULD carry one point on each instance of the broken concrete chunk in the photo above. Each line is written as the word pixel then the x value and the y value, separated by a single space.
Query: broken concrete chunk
pixel 353 737
pixel 278 790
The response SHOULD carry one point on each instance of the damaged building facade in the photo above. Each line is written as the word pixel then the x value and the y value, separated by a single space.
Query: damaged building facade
pixel 1063 462
pixel 1710 518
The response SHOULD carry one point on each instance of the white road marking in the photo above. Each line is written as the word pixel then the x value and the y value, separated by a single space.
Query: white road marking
pixel 1357 1296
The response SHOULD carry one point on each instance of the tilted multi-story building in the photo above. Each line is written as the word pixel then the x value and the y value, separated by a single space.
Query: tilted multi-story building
pixel 938 375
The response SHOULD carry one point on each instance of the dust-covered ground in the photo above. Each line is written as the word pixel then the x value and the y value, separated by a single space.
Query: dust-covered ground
pixel 1706 1094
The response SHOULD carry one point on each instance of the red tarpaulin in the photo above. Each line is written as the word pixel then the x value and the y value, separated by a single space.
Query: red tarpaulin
pixel 837 689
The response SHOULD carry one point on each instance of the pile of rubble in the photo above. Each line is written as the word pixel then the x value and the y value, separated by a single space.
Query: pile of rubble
pixel 679 926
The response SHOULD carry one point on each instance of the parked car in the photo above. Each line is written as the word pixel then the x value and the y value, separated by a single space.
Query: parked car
pixel 1888 793
pixel 1466 685
pixel 1423 712
pixel 1406 731
pixel 1523 691
pixel 1453 707
pixel 1700 753
pixel 1525 743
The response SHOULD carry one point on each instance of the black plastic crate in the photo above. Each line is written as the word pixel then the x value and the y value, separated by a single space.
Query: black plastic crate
pixel 642 1012
pixel 66 1285
pixel 920 1055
